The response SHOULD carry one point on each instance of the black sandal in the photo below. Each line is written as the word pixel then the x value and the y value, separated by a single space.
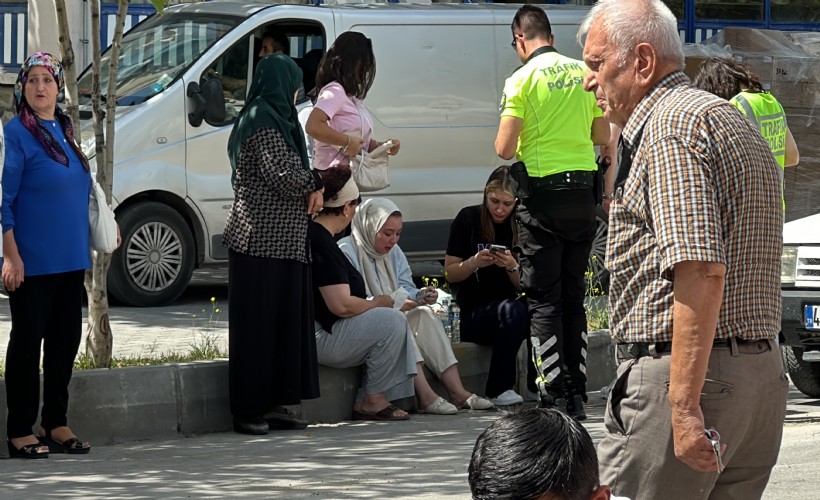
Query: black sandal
pixel 30 451
pixel 72 445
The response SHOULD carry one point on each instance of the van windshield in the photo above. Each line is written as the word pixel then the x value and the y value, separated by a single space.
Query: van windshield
pixel 155 52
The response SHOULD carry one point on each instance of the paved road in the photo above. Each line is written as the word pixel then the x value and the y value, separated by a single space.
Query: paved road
pixel 142 331
pixel 425 457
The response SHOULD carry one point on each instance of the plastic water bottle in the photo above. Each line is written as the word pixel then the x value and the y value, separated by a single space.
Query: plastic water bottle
pixel 455 323
pixel 444 315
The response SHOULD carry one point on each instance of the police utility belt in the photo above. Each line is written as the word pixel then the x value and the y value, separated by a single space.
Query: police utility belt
pixel 526 186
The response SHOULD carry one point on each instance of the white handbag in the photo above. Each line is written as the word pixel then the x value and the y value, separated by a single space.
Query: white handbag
pixel 101 221
pixel 370 170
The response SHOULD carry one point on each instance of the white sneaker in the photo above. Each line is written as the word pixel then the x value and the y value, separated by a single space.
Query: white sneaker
pixel 507 398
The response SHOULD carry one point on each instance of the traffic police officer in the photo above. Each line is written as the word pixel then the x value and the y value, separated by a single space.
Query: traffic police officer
pixel 551 123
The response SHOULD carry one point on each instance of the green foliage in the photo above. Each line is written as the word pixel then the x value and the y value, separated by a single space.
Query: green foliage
pixel 159 5
pixel 596 303
pixel 205 346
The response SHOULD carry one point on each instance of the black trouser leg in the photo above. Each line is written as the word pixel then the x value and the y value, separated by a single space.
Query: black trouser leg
pixel 555 233
pixel 574 265
pixel 61 341
pixel 30 307
pixel 504 325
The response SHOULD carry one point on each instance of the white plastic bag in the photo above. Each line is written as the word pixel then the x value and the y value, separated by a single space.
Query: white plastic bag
pixel 101 221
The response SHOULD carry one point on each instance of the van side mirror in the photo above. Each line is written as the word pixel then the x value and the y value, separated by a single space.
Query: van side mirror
pixel 209 102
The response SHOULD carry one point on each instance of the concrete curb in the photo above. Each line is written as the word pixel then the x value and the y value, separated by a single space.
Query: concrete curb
pixel 156 402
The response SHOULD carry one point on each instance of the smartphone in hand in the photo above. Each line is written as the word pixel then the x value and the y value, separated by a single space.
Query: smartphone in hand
pixel 497 249
pixel 423 295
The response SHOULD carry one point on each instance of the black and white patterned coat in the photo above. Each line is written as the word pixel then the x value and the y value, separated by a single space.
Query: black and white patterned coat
pixel 269 216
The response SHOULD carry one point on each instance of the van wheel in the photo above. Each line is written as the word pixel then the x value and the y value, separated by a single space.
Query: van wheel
pixel 155 262
pixel 597 279
pixel 804 375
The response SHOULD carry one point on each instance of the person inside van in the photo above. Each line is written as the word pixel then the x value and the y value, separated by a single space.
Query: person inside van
pixel 350 329
pixel 480 264
pixel 339 122
pixel 373 250
pixel 274 43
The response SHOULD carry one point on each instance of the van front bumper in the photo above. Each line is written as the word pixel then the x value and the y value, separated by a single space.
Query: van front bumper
pixel 793 327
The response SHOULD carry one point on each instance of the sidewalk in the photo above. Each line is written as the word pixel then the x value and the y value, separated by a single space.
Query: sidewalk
pixel 155 330
pixel 425 457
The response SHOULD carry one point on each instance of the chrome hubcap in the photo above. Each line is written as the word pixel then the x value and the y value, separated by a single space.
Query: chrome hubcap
pixel 154 257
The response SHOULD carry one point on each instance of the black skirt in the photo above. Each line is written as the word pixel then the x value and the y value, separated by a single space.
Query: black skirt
pixel 271 334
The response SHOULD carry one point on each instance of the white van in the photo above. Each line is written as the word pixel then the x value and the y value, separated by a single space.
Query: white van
pixel 440 72
pixel 800 285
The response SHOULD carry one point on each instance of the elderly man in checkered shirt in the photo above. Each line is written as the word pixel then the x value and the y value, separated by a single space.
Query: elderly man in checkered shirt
pixel 694 251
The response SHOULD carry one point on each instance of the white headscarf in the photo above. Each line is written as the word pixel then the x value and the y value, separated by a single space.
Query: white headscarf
pixel 369 219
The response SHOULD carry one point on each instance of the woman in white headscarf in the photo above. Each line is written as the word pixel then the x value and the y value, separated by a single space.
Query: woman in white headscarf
pixel 373 250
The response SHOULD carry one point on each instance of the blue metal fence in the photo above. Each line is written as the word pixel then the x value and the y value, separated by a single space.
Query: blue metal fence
pixel 13 35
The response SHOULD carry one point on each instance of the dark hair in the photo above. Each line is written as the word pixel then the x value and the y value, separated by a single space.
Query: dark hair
pixel 532 22
pixel 726 78
pixel 280 38
pixel 349 61
pixel 533 453
pixel 334 180
pixel 499 180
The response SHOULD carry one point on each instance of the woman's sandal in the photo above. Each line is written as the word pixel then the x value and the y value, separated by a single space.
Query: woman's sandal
pixel 72 445
pixel 31 451
pixel 387 413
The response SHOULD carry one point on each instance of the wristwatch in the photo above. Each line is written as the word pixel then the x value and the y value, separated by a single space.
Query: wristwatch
pixel 512 270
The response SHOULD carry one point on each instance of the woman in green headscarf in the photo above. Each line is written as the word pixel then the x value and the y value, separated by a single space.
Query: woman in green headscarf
pixel 272 345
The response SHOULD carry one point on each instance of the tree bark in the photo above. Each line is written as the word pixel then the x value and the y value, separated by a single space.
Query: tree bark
pixel 99 340
pixel 69 67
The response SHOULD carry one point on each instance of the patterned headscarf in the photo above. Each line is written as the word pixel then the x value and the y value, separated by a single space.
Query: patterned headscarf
pixel 34 123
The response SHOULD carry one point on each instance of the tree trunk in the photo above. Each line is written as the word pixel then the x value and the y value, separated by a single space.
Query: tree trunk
pixel 69 67
pixel 99 341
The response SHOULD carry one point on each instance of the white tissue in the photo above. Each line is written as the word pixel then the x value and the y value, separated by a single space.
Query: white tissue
pixel 399 296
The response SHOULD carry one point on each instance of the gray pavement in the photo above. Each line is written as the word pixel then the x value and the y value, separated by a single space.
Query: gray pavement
pixel 154 330
pixel 425 457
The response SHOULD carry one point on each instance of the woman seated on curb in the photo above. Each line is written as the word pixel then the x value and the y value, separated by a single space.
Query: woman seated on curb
pixel 373 250
pixel 488 283
pixel 352 330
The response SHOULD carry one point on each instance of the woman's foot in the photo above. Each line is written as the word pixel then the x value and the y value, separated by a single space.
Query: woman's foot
pixel 255 426
pixel 62 440
pixel 27 447
pixel 440 407
pixel 282 418
pixel 476 402
pixel 375 404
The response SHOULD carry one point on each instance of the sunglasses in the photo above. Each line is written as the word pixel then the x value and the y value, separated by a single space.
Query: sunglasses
pixel 514 43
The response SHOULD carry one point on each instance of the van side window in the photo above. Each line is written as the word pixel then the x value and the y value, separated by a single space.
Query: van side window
pixel 232 69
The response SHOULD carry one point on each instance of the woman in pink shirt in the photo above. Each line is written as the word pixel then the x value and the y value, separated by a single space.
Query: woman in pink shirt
pixel 339 123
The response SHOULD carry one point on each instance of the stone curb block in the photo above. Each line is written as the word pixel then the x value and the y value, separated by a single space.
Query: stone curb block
pixel 156 402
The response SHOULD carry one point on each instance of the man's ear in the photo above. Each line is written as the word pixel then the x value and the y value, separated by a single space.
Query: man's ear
pixel 601 493
pixel 646 64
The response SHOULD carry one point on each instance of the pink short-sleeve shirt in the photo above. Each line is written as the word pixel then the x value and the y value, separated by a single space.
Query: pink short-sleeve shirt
pixel 343 111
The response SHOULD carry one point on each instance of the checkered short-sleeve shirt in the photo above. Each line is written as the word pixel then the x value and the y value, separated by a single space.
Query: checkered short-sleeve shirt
pixel 703 186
